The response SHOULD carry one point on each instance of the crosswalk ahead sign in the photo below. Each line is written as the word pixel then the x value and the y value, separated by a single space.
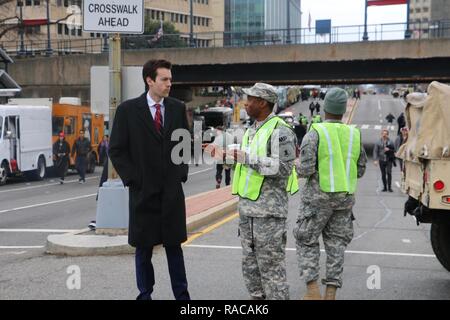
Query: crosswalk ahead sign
pixel 113 16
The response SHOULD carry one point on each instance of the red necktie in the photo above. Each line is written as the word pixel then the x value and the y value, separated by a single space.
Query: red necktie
pixel 158 118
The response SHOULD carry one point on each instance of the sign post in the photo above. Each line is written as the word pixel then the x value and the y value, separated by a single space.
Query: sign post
pixel 113 17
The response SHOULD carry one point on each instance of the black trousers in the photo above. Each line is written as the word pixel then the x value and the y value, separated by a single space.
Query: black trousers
pixel 61 167
pixel 80 165
pixel 219 170
pixel 386 173
pixel 145 275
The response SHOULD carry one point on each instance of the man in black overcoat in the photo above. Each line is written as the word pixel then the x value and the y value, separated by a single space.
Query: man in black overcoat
pixel 140 151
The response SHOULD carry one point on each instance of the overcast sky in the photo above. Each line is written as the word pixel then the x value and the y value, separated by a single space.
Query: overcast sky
pixel 350 12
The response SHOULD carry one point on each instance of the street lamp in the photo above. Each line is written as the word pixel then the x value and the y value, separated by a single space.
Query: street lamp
pixel 49 50
pixel 191 31
pixel 22 47
pixel 288 21
pixel 365 35
pixel 407 31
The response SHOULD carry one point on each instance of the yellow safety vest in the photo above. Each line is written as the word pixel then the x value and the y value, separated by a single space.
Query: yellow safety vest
pixel 247 182
pixel 338 154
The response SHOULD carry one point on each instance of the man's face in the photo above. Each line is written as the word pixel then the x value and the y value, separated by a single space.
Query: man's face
pixel 385 134
pixel 81 135
pixel 163 82
pixel 253 106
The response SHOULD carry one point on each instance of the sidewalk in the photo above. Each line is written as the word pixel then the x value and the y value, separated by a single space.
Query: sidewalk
pixel 201 210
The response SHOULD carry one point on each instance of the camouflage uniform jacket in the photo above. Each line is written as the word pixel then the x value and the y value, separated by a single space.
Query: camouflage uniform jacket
pixel 311 195
pixel 276 168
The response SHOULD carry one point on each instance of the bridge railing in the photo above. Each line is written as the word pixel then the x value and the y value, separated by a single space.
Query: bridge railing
pixel 339 34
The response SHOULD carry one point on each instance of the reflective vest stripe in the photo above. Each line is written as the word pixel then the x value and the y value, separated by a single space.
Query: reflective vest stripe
pixel 330 153
pixel 349 154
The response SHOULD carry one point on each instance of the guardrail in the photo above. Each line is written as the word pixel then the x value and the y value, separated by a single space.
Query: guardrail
pixel 339 34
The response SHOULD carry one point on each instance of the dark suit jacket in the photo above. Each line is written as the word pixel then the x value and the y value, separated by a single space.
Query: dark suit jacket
pixel 142 158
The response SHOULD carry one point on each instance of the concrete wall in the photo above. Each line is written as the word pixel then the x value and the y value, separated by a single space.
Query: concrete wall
pixel 49 77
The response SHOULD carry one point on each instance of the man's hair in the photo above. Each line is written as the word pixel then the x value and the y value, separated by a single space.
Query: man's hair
pixel 81 131
pixel 385 130
pixel 150 69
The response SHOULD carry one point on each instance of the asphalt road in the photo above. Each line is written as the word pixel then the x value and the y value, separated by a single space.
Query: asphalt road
pixel 389 258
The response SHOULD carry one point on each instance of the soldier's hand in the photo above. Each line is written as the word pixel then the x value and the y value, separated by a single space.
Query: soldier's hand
pixel 236 155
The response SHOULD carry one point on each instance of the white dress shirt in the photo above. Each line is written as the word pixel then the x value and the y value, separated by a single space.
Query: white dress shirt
pixel 151 103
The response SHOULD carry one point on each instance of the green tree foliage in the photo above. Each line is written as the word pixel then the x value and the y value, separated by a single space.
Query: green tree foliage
pixel 150 39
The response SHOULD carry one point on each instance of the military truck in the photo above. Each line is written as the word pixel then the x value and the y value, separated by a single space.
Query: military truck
pixel 426 156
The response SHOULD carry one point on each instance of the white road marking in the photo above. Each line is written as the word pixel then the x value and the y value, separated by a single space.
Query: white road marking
pixel 365 126
pixel 44 185
pixel 379 106
pixel 381 121
pixel 397 184
pixel 21 247
pixel 39 230
pixel 377 128
pixel 48 203
pixel 406 241
pixel 400 254
pixel 191 174
pixel 12 252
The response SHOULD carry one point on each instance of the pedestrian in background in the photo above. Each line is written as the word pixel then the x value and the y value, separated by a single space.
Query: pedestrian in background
pixel 263 177
pixel 332 157
pixel 61 151
pixel 401 139
pixel 81 148
pixel 390 118
pixel 103 149
pixel 401 121
pixel 383 155
pixel 140 150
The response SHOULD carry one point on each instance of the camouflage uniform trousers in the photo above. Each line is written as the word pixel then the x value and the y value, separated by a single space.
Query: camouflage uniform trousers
pixel 264 266
pixel 336 228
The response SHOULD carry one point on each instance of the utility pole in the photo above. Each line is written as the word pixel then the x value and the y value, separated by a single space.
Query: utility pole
pixel 115 89
pixel 288 21
pixel 22 47
pixel 49 50
pixel 191 31
pixel 407 31
pixel 365 35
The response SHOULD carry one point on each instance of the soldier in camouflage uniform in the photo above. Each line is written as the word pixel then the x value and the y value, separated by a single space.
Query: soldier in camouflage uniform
pixel 262 224
pixel 324 213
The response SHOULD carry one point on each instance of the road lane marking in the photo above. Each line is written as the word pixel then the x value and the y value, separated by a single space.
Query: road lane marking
pixel 39 230
pixel 45 185
pixel 48 203
pixel 398 184
pixel 379 105
pixel 210 228
pixel 12 252
pixel 406 241
pixel 21 247
pixel 191 174
pixel 384 253
pixel 365 126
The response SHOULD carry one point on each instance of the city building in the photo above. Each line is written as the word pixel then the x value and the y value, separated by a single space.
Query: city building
pixel 261 21
pixel 429 18
pixel 66 35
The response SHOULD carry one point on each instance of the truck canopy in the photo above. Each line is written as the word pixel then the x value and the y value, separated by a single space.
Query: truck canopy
pixel 428 118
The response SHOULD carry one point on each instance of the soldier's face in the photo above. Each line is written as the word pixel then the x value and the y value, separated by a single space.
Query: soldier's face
pixel 253 106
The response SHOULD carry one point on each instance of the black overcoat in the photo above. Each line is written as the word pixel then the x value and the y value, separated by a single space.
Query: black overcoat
pixel 142 158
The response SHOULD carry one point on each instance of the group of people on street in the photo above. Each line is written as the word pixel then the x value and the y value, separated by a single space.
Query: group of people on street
pixel 266 170
pixel 81 148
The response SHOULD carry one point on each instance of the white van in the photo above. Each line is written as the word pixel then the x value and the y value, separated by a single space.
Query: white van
pixel 25 141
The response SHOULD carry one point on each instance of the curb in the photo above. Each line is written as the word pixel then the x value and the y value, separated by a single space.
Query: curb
pixel 76 244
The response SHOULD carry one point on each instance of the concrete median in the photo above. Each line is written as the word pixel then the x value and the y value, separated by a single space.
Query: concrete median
pixel 201 210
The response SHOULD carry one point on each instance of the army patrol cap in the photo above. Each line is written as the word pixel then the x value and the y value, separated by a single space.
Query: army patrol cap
pixel 264 91
pixel 335 101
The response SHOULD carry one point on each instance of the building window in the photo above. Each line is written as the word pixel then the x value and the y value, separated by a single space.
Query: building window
pixel 79 32
pixel 418 10
pixel 28 2
pixel 59 3
pixel 60 28
pixel 426 9
pixel 162 16
pixel 66 3
pixel 66 30
pixel 37 2
pixel 207 22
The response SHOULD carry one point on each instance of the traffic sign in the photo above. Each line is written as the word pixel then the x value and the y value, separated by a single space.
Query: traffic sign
pixel 113 16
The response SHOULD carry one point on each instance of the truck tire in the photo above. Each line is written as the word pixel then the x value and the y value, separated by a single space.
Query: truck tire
pixel 440 241
pixel 92 162
pixel 39 173
pixel 3 173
